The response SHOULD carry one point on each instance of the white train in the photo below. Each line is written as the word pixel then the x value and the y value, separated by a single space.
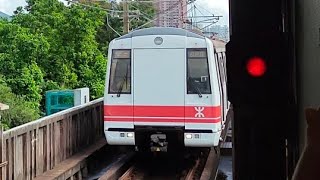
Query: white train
pixel 165 87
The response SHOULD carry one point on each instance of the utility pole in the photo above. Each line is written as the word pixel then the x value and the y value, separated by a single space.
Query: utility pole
pixel 125 17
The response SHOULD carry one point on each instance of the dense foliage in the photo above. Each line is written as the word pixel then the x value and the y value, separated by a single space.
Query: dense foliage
pixel 21 110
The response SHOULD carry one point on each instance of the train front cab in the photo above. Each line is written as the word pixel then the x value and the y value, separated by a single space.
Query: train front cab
pixel 172 86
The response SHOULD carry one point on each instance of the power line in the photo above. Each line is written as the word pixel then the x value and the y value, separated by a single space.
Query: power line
pixel 211 19
pixel 195 7
pixel 205 9
pixel 168 10
pixel 107 14
pixel 111 26
pixel 144 14
pixel 100 8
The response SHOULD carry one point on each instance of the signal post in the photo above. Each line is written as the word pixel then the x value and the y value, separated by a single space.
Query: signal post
pixel 261 87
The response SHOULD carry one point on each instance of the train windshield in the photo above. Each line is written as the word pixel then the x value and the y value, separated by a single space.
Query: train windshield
pixel 198 79
pixel 120 72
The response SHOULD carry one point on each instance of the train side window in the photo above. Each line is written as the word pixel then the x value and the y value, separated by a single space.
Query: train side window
pixel 224 65
pixel 120 72
pixel 216 55
pixel 222 71
pixel 198 78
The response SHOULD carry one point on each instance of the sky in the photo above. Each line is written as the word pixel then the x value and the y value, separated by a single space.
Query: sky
pixel 217 7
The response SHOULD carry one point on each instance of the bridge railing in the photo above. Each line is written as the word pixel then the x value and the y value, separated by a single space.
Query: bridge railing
pixel 33 148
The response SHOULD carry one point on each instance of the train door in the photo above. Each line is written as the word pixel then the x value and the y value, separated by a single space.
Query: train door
pixel 159 76
pixel 198 98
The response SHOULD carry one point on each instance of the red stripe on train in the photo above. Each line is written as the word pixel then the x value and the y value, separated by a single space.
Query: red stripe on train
pixel 155 120
pixel 118 110
pixel 163 111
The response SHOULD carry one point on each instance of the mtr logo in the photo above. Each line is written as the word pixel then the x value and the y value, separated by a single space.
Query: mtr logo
pixel 199 112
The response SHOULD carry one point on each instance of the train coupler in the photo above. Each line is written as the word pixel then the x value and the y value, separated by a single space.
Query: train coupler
pixel 158 143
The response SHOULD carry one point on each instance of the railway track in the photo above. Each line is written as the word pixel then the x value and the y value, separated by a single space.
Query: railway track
pixel 161 166
pixel 110 164
pixel 196 170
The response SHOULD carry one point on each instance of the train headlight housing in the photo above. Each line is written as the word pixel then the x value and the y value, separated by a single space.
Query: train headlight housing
pixel 189 136
pixel 130 135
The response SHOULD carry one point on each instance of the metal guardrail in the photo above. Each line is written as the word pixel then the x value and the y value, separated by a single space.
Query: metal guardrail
pixel 38 146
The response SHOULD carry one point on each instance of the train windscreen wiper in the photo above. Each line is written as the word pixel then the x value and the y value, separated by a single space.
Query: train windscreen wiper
pixel 194 86
pixel 125 77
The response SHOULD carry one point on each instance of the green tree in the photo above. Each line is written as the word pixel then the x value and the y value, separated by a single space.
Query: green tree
pixel 19 52
pixel 72 58
pixel 51 46
pixel 21 111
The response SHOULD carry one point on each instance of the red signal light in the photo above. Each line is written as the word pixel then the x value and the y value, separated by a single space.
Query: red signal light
pixel 256 66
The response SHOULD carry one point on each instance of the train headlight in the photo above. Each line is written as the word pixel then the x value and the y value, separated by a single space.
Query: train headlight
pixel 130 134
pixel 188 136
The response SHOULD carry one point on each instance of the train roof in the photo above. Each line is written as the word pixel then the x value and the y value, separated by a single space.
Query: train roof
pixel 161 31
pixel 218 44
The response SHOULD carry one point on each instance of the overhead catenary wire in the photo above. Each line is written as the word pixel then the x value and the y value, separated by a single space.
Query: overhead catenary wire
pixel 180 18
pixel 107 14
pixel 111 26
pixel 204 8
pixel 150 20
pixel 100 8
pixel 212 17
pixel 195 7
pixel 168 10
pixel 184 20
pixel 144 14
pixel 110 10
pixel 157 15
pixel 206 20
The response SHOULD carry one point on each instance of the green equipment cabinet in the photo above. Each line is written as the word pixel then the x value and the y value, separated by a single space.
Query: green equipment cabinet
pixel 59 100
